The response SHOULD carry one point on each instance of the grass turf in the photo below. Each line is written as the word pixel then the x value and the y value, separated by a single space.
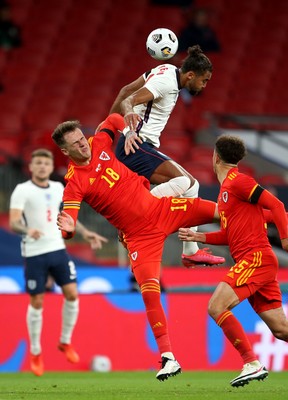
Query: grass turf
pixel 138 386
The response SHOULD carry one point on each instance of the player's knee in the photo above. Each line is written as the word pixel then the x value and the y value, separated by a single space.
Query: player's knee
pixel 192 191
pixel 71 295
pixel 212 312
pixel 182 184
pixel 281 334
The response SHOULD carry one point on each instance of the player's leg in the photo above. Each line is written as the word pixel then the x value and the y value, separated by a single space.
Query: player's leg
pixel 171 179
pixel 183 212
pixel 267 302
pixel 147 276
pixel 277 322
pixel 222 301
pixel 169 171
pixel 64 272
pixel 35 278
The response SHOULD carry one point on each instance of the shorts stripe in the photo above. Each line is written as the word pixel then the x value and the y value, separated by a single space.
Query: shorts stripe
pixel 257 262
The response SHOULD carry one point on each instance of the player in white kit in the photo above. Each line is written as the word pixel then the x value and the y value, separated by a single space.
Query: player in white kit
pixel 34 206
pixel 146 105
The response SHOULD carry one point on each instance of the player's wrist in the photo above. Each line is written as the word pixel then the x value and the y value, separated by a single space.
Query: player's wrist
pixel 127 131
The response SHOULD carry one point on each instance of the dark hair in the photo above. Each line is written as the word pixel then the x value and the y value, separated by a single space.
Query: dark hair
pixel 42 153
pixel 231 149
pixel 62 129
pixel 196 61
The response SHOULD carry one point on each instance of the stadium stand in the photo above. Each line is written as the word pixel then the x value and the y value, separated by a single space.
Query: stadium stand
pixel 77 55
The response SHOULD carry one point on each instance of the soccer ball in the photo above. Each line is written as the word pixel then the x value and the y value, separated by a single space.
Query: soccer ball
pixel 162 44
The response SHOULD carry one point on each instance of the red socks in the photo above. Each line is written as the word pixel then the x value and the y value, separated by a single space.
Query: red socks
pixel 235 333
pixel 151 296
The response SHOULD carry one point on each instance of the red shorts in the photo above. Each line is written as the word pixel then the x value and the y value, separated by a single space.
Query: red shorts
pixel 146 244
pixel 255 278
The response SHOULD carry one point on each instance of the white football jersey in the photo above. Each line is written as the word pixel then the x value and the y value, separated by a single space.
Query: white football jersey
pixel 164 83
pixel 40 208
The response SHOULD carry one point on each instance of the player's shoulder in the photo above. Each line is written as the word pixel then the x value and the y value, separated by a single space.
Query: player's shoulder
pixel 23 185
pixel 161 70
pixel 56 184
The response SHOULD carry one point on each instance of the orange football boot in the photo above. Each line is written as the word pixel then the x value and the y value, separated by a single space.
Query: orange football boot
pixel 36 364
pixel 69 352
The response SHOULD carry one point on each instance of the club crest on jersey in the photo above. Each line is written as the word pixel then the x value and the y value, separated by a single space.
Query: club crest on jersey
pixel 104 156
pixel 134 255
pixel 225 197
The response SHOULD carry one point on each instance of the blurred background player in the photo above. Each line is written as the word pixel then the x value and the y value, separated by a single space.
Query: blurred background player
pixel 197 30
pixel 244 208
pixel 10 33
pixel 146 104
pixel 34 207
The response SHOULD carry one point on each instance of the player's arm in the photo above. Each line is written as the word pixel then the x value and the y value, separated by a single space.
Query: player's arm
pixel 96 241
pixel 278 214
pixel 141 96
pixel 216 238
pixel 125 92
pixel 66 222
pixel 115 123
pixel 17 225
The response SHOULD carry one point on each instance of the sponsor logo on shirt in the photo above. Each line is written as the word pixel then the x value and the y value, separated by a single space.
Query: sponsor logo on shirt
pixel 134 255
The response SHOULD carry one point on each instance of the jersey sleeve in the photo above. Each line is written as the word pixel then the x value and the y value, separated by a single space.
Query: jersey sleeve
pixel 113 123
pixel 216 238
pixel 158 85
pixel 244 188
pixel 18 198
pixel 71 204
pixel 277 212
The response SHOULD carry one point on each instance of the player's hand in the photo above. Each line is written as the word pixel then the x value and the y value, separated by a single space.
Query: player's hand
pixel 65 222
pixel 187 235
pixel 34 233
pixel 96 241
pixel 284 243
pixel 132 119
pixel 131 144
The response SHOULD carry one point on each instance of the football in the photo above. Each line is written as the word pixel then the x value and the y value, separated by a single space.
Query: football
pixel 162 44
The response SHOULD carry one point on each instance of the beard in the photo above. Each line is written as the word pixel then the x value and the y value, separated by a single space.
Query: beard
pixel 194 92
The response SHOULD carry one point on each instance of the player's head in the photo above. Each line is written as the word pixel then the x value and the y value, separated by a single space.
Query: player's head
pixel 197 69
pixel 70 139
pixel 230 149
pixel 41 165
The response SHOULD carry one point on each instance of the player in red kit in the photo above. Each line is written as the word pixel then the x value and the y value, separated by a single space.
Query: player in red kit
pixel 244 208
pixel 123 197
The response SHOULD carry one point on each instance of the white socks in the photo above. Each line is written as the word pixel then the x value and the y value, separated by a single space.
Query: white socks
pixel 191 247
pixel 70 313
pixel 34 320
pixel 175 187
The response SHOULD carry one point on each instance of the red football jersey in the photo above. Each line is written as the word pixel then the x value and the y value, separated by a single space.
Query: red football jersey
pixel 124 199
pixel 242 221
pixel 106 182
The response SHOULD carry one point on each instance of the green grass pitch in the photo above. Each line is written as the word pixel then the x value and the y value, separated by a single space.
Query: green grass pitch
pixel 138 386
